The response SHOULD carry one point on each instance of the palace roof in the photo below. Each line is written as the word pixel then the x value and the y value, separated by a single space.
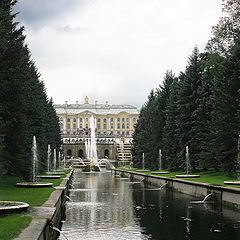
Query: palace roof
pixel 96 109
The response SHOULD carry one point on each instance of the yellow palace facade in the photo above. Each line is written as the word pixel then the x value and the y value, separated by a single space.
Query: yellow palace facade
pixel 114 126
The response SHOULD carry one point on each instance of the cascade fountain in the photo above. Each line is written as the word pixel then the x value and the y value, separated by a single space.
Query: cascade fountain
pixel 121 145
pixel 238 166
pixel 34 162
pixel 93 145
pixel 91 149
pixel 188 167
pixel 93 163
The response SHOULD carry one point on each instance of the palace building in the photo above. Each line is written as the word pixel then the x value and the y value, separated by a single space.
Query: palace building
pixel 114 126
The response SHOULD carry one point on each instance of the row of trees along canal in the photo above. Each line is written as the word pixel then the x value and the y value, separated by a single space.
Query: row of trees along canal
pixel 200 108
pixel 25 110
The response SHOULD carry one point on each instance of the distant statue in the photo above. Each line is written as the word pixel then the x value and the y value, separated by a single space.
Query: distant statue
pixel 86 99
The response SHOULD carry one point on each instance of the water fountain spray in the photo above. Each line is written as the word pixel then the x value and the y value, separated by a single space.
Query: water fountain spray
pixel 34 159
pixel 48 157
pixel 188 166
pixel 143 161
pixel 160 160
pixel 54 159
pixel 59 158
pixel 93 145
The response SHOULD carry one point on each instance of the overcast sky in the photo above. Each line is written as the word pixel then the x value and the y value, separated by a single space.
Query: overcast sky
pixel 113 50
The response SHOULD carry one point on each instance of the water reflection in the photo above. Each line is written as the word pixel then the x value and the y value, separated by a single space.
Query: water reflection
pixel 107 207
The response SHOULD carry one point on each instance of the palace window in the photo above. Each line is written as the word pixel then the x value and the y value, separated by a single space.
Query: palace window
pixel 118 125
pixel 105 120
pixel 99 126
pixel 127 132
pixel 118 132
pixel 68 126
pixel 111 125
pixel 86 125
pixel 111 119
pixel 123 119
pixel 80 125
pixel 127 119
pixel 68 120
pixel 118 119
pixel 80 119
pixel 127 125
pixel 74 126
pixel 104 126
pixel 86 119
pixel 123 125
pixel 74 120
pixel 123 133
pixel 99 120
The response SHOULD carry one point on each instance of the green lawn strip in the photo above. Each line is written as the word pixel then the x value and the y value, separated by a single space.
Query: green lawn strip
pixel 210 177
pixel 11 225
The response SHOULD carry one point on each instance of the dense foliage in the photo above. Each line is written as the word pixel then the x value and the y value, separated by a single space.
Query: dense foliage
pixel 25 110
pixel 200 108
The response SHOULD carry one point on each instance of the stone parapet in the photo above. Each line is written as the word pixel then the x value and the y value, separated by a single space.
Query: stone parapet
pixel 48 215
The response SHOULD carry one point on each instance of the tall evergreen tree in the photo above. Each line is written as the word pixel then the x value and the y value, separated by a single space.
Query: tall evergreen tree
pixel 225 123
pixel 170 135
pixel 188 103
pixel 24 107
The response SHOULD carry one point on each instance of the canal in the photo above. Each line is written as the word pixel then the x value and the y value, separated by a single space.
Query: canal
pixel 106 206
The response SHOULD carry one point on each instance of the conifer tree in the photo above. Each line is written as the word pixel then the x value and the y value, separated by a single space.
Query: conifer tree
pixel 225 117
pixel 189 84
pixel 170 135
pixel 24 106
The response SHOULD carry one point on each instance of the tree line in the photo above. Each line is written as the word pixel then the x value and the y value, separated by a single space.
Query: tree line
pixel 199 108
pixel 25 109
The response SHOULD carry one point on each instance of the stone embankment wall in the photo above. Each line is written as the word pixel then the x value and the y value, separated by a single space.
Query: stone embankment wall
pixel 225 195
pixel 48 215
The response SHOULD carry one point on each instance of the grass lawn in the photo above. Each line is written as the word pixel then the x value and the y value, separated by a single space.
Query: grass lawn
pixel 12 224
pixel 210 177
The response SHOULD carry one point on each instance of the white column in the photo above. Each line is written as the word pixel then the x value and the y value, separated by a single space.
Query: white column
pixel 83 122
pixel 108 125
pixel 64 123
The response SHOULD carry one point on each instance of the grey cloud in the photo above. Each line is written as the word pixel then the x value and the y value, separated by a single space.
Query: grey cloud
pixel 36 13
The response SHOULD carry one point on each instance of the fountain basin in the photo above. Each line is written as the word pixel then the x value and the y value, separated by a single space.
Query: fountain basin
pixel 50 177
pixel 55 173
pixel 34 184
pixel 232 182
pixel 187 176
pixel 12 206
pixel 159 172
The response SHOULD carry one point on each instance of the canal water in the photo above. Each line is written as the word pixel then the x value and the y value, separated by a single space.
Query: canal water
pixel 109 207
